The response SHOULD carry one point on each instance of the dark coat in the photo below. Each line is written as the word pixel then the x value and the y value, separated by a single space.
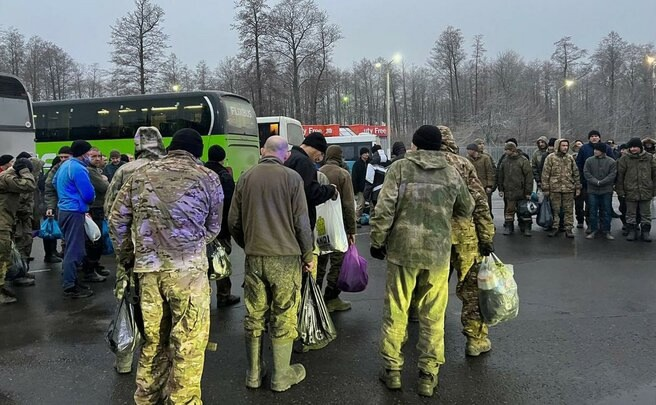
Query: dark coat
pixel 358 174
pixel 636 177
pixel 586 152
pixel 228 184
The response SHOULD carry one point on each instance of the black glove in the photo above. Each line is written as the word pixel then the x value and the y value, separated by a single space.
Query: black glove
pixel 378 253
pixel 23 163
pixel 485 248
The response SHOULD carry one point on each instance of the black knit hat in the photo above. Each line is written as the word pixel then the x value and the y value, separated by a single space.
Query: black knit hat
pixel 513 140
pixel 65 150
pixel 634 143
pixel 594 132
pixel 599 146
pixel 472 146
pixel 216 153
pixel 623 147
pixel 23 155
pixel 80 147
pixel 316 141
pixel 188 140
pixel 4 159
pixel 363 150
pixel 375 148
pixel 552 142
pixel 427 137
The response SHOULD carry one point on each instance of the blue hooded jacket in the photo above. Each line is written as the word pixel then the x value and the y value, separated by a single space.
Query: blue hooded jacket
pixel 73 185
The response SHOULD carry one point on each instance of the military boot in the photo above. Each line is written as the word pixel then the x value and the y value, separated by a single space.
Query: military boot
pixel 256 365
pixel 426 384
pixel 633 232
pixel 475 347
pixel 508 228
pixel 391 378
pixel 552 232
pixel 336 305
pixel 527 230
pixel 7 296
pixel 284 375
pixel 644 232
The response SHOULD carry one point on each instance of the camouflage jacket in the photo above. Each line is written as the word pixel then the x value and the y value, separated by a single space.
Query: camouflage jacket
pixel 50 192
pixel 485 170
pixel 515 177
pixel 420 195
pixel 166 213
pixel 537 160
pixel 11 187
pixel 636 176
pixel 560 173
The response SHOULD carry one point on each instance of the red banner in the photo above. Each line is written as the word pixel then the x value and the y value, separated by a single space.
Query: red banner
pixel 333 130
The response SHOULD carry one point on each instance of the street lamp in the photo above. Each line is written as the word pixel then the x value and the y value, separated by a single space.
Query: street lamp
pixel 175 88
pixel 568 83
pixel 395 59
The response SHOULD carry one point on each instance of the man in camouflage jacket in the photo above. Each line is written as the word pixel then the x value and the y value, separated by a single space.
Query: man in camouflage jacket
pixel 561 183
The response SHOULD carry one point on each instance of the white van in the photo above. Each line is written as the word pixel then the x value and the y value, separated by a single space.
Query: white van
pixel 288 128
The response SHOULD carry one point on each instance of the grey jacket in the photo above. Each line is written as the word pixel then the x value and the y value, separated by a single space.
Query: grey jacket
pixel 600 173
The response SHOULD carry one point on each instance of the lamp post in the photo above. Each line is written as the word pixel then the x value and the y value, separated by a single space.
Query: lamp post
pixel 396 59
pixel 175 88
pixel 568 83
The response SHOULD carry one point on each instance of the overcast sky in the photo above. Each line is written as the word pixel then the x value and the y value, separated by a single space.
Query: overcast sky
pixel 200 29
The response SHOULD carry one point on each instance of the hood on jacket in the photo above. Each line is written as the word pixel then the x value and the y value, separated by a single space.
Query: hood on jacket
pixel 335 155
pixel 148 143
pixel 448 141
pixel 546 142
pixel 557 147
pixel 427 159
pixel 649 145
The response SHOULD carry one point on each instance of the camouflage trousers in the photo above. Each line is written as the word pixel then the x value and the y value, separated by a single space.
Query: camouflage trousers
pixel 5 255
pixel 23 235
pixel 510 210
pixel 640 209
pixel 176 314
pixel 336 259
pixel 465 259
pixel 431 289
pixel 272 283
pixel 564 202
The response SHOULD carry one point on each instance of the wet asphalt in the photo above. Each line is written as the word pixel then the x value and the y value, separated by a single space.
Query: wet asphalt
pixel 586 334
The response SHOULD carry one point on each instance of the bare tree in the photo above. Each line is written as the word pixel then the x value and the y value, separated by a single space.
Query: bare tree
pixel 447 56
pixel 202 76
pixel 139 41
pixel 12 51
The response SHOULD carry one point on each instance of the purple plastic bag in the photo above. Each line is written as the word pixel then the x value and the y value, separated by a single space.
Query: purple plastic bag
pixel 353 276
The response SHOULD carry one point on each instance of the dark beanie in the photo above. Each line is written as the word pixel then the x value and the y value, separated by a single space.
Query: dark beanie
pixel 216 153
pixel 363 151
pixel 188 140
pixel 634 143
pixel 375 148
pixel 316 141
pixel 4 159
pixel 65 150
pixel 427 137
pixel 552 142
pixel 80 147
pixel 513 140
pixel 599 146
pixel 623 147
pixel 472 146
pixel 23 155
pixel 594 132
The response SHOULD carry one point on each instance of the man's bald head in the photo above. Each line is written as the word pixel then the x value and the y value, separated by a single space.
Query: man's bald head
pixel 276 146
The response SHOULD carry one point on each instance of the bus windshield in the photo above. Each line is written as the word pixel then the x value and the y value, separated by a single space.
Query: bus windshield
pixel 15 112
pixel 240 117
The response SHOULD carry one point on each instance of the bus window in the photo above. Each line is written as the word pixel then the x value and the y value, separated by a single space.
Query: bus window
pixel 294 134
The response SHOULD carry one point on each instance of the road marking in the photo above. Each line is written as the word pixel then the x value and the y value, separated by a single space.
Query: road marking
pixel 39 271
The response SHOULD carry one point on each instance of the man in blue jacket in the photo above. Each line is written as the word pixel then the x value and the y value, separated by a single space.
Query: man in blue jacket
pixel 75 193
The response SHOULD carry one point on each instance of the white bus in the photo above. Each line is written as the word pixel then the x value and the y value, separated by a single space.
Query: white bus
pixel 16 120
pixel 288 128
pixel 351 145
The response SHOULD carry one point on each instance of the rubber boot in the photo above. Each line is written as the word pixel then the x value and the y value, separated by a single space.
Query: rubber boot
pixel 256 366
pixel 284 375
pixel 644 232
pixel 633 232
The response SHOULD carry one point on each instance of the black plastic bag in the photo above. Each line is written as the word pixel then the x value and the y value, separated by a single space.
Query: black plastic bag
pixel 123 334
pixel 18 266
pixel 545 215
pixel 315 327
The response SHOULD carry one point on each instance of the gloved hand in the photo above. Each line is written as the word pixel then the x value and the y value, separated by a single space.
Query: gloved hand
pixel 23 163
pixel 378 253
pixel 485 248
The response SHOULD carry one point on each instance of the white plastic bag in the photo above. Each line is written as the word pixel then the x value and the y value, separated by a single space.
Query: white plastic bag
pixel 329 232
pixel 92 230
pixel 498 299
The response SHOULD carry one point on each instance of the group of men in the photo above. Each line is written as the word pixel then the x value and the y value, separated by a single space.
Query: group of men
pixel 578 181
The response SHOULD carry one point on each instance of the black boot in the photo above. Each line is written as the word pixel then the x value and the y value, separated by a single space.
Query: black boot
pixel 632 232
pixel 508 228
pixel 644 232
pixel 50 249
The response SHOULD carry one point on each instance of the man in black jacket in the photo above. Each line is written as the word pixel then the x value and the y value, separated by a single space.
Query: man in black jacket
pixel 303 161
pixel 358 174
pixel 216 157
